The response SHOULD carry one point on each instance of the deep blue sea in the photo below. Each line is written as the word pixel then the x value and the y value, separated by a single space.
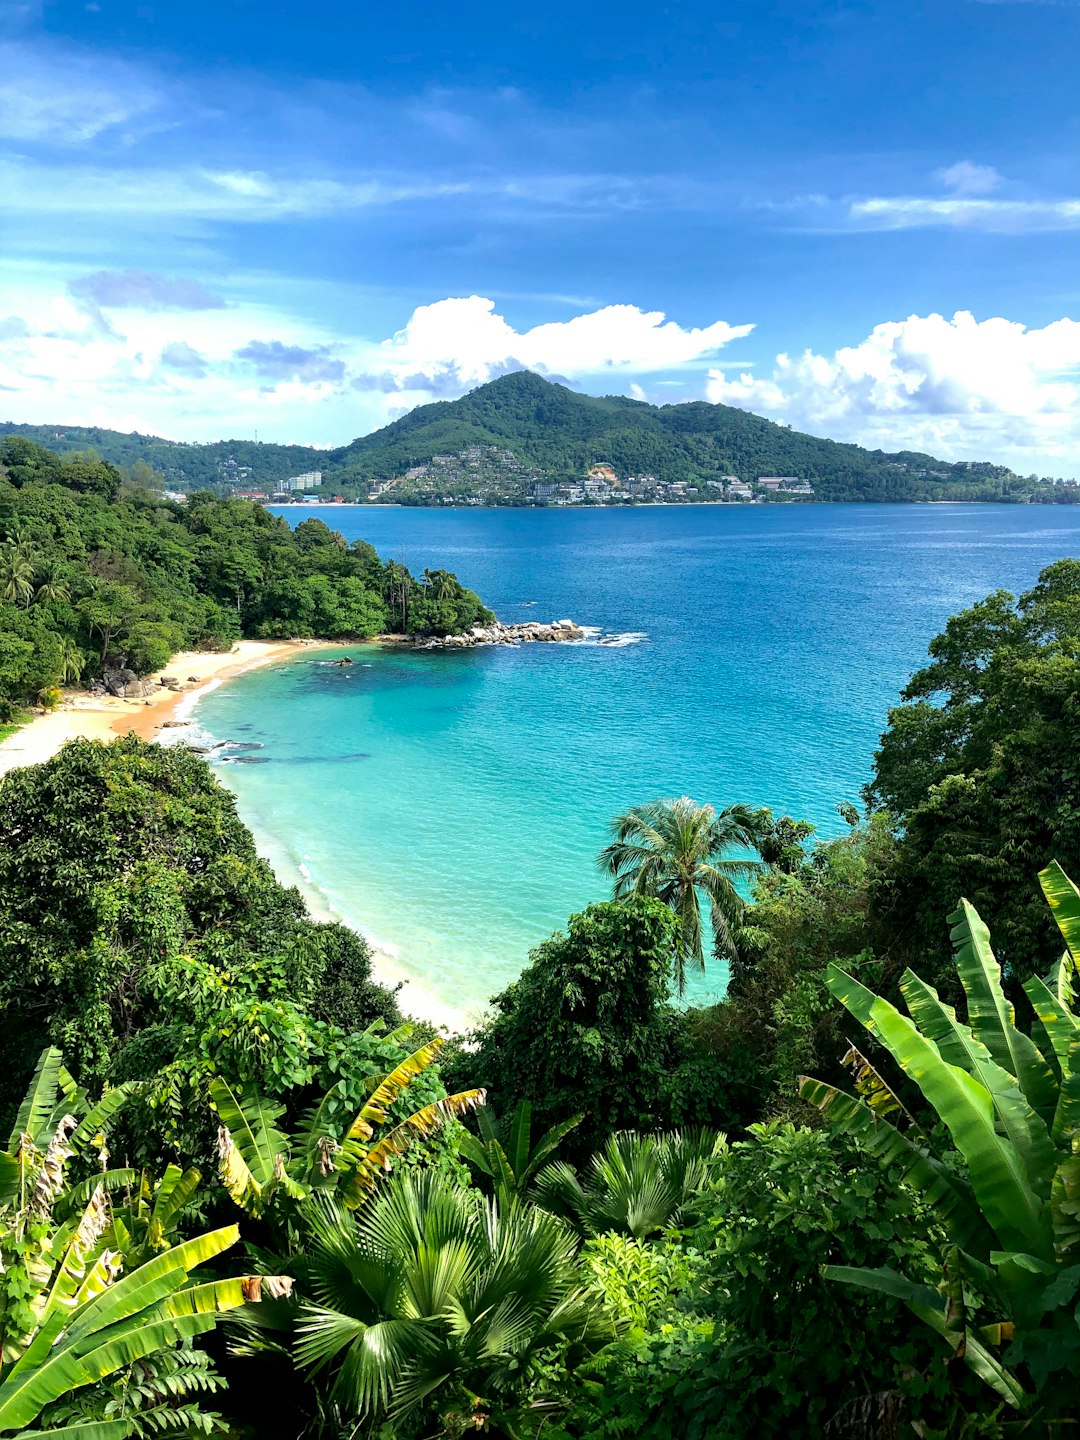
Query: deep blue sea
pixel 451 805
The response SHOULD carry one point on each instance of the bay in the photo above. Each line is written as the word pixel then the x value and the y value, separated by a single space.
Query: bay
pixel 451 805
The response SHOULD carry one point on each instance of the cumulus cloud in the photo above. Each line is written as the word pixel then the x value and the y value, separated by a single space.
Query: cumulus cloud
pixel 454 344
pixel 966 178
pixel 138 289
pixel 991 389
pixel 275 361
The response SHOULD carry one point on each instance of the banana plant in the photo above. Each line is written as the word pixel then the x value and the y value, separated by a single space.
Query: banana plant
pixel 72 1312
pixel 1007 1300
pixel 56 1115
pixel 259 1163
pixel 509 1159
pixel 96 1322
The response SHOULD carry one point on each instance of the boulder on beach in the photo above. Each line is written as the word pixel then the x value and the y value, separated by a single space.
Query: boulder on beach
pixel 123 683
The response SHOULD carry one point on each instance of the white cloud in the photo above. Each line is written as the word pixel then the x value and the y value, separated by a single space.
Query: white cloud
pixel 465 342
pixel 904 212
pixel 963 388
pixel 967 178
pixel 202 373
pixel 69 99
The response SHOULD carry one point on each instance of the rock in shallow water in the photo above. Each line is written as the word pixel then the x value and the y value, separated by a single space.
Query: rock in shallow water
pixel 499 634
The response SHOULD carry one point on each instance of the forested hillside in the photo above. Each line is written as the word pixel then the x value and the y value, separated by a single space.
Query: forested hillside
pixel 562 433
pixel 90 569
pixel 497 442
pixel 183 466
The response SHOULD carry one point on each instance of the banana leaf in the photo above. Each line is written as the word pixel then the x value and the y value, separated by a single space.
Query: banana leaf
pixel 100 1114
pixel 35 1112
pixel 1055 1020
pixel 998 1174
pixel 384 1094
pixel 257 1143
pixel 1064 900
pixel 929 1307
pixel 84 1430
pixel 1028 1130
pixel 990 1015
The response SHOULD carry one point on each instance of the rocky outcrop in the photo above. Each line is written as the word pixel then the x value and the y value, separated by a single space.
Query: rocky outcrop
pixel 530 632
pixel 124 683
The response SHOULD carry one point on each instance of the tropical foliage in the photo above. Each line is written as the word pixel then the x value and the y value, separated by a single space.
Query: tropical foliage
pixel 979 769
pixel 1008 1301
pixel 88 1294
pixel 891 1252
pixel 435 1297
pixel 336 1149
pixel 138 927
pixel 505 1153
pixel 638 1185
pixel 584 1030
pixel 681 853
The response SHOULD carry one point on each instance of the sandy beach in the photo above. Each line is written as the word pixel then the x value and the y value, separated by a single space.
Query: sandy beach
pixel 103 717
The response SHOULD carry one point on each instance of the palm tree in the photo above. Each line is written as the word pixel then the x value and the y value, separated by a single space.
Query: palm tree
pixel 397 590
pixel 441 583
pixel 51 586
pixel 679 853
pixel 16 574
pixel 431 1289
pixel 72 661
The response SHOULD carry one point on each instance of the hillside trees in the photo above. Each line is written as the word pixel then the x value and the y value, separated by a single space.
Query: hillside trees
pixel 979 770
pixel 88 573
pixel 119 864
pixel 585 1028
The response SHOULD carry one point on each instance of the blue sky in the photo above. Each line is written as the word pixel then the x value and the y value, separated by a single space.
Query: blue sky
pixel 859 218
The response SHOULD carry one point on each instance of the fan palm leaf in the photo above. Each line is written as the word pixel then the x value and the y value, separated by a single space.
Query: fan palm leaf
pixel 431 1284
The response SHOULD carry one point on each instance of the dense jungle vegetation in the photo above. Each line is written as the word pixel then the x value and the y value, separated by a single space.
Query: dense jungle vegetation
pixel 560 433
pixel 91 568
pixel 242 1195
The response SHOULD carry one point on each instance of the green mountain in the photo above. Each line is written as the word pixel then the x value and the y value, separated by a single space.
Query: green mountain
pixel 496 444
pixel 552 432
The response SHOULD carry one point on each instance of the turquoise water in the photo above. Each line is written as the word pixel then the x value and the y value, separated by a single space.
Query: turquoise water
pixel 451 805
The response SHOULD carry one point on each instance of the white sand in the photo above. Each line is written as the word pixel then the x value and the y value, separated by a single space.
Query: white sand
pixel 94 717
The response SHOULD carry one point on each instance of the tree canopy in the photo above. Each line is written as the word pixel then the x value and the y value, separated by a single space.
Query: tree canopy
pixel 980 773
pixel 91 568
